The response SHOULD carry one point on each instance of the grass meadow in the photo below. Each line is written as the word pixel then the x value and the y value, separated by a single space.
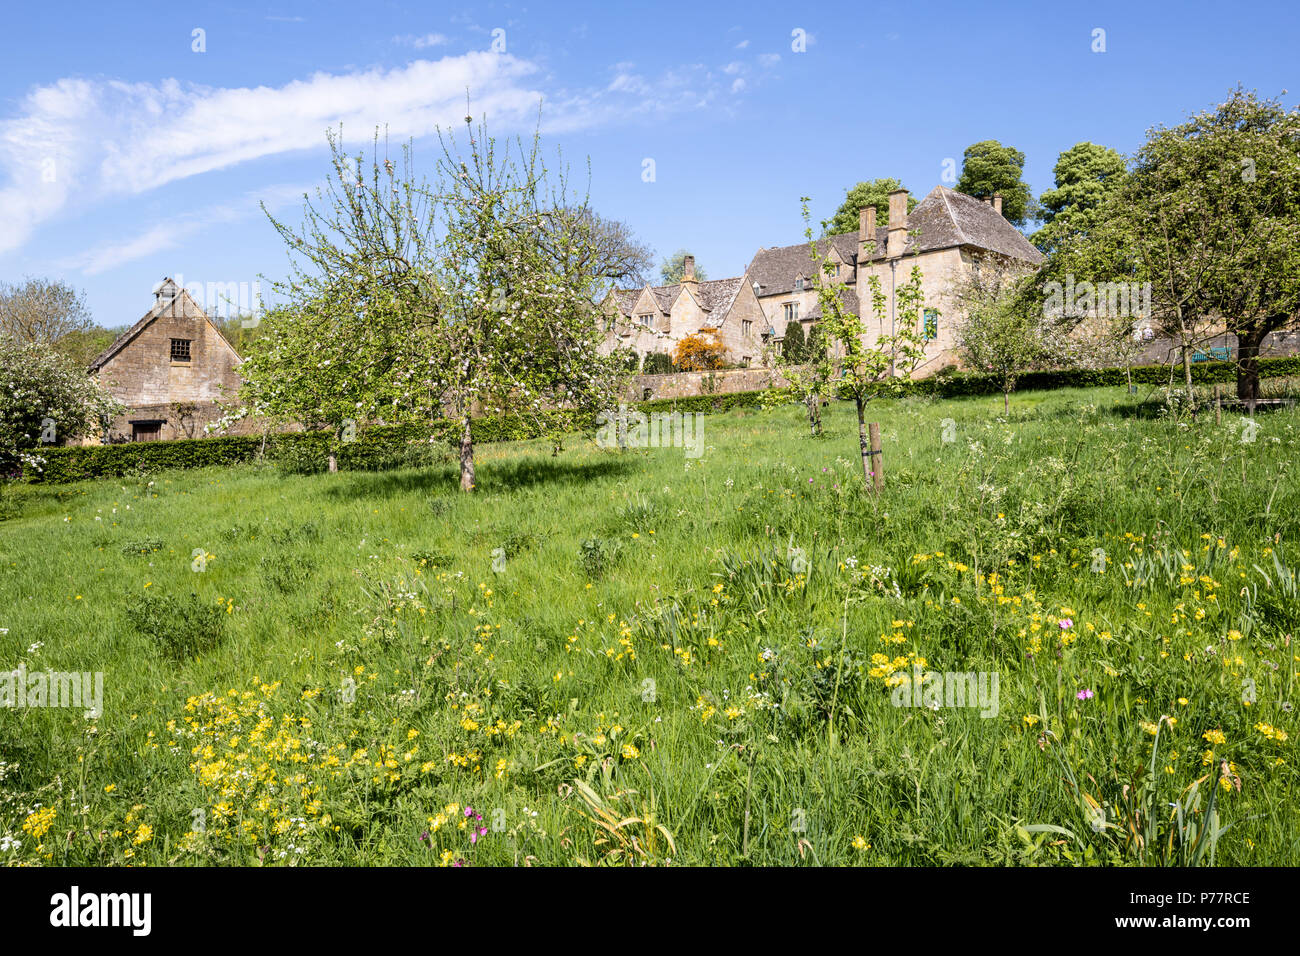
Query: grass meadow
pixel 636 657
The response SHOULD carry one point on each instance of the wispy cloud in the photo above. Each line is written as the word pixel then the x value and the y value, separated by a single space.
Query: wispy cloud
pixel 174 230
pixel 422 42
pixel 93 139
pixel 742 44
pixel 83 141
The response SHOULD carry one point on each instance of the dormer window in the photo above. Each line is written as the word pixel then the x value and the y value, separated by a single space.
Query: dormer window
pixel 645 318
pixel 798 285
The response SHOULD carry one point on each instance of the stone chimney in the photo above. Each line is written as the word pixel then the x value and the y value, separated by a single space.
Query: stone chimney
pixel 997 203
pixel 897 223
pixel 688 272
pixel 866 233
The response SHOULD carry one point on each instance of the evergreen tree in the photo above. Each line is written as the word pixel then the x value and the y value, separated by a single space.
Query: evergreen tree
pixel 793 348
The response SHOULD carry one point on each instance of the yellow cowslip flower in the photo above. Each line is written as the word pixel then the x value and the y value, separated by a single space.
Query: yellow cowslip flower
pixel 1215 737
pixel 39 821
pixel 860 844
pixel 630 752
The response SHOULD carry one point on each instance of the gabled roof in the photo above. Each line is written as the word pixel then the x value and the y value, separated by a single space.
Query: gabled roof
pixel 713 295
pixel 848 302
pixel 171 299
pixel 776 269
pixel 946 218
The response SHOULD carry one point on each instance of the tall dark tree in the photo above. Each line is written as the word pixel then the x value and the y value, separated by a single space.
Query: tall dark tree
pixel 1086 174
pixel 814 347
pixel 872 192
pixel 989 167
pixel 792 347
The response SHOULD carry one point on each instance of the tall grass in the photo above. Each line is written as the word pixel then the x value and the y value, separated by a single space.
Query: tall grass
pixel 681 660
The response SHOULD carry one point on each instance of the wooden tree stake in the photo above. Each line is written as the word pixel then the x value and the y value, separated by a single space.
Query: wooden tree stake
pixel 877 457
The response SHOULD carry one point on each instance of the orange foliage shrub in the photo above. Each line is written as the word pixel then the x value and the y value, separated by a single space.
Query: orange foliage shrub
pixel 700 352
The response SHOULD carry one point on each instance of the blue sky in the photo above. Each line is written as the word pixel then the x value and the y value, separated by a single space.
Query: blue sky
pixel 126 156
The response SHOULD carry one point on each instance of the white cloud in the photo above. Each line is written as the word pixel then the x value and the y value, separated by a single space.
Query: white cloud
pixel 625 82
pixel 422 42
pixel 171 232
pixel 88 140
pixel 742 44
pixel 769 59
pixel 733 68
pixel 76 142
pixel 164 235
pixel 738 85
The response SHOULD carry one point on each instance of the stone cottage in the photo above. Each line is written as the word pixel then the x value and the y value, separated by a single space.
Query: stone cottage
pixel 169 369
pixel 656 318
pixel 945 235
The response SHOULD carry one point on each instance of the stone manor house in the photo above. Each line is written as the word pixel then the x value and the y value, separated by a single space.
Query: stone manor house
pixel 945 235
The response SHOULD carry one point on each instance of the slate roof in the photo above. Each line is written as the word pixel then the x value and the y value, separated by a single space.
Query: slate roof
pixel 715 295
pixel 848 302
pixel 945 218
pixel 776 269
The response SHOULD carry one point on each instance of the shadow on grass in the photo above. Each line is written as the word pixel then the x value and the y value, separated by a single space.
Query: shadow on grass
pixel 492 476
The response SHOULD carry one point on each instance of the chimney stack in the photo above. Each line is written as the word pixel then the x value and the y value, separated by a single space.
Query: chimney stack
pixel 866 233
pixel 688 270
pixel 997 203
pixel 897 223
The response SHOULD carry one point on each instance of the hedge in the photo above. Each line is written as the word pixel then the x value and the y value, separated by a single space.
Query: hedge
pixel 1203 373
pixel 388 446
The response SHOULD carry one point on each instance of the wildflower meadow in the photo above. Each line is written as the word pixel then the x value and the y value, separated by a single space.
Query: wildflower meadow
pixel 1061 635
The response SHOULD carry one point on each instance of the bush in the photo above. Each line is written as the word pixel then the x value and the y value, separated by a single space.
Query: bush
pixel 596 556
pixel 657 363
pixel 181 628
pixel 700 352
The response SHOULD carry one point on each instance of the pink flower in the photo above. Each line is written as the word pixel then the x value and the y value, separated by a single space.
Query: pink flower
pixel 1066 623
pixel 1084 694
